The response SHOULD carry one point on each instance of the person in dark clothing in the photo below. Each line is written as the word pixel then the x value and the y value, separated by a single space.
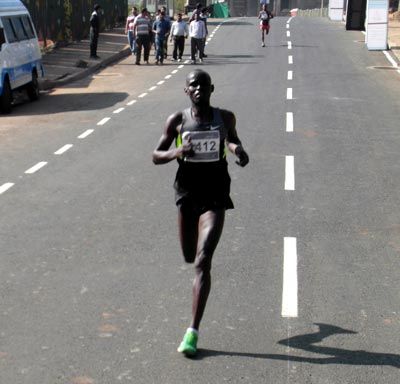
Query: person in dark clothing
pixel 203 135
pixel 94 31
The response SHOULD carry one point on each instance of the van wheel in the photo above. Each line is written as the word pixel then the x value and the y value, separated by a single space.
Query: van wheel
pixel 6 98
pixel 33 88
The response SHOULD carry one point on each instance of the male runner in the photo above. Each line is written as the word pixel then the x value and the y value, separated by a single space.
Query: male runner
pixel 202 184
pixel 264 17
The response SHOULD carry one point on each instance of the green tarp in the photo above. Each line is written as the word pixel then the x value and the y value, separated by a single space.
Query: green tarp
pixel 220 10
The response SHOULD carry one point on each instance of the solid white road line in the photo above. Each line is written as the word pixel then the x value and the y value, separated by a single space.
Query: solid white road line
pixel 290 59
pixel 132 102
pixel 289 93
pixel 290 75
pixel 36 167
pixel 390 58
pixel 103 121
pixel 118 110
pixel 289 121
pixel 86 134
pixel 289 173
pixel 5 187
pixel 290 284
pixel 63 149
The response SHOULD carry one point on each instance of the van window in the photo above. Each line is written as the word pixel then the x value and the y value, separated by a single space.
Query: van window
pixel 9 30
pixel 26 21
pixel 19 28
pixel 2 37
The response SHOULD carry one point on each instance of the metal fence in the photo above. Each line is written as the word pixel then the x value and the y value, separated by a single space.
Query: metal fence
pixel 68 20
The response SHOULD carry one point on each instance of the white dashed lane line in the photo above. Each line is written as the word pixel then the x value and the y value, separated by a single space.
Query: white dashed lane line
pixel 36 167
pixel 131 102
pixel 63 149
pixel 5 187
pixel 289 45
pixel 142 95
pixel 289 173
pixel 290 75
pixel 290 284
pixel 290 59
pixel 289 122
pixel 119 110
pixel 153 88
pixel 289 94
pixel 86 134
pixel 103 121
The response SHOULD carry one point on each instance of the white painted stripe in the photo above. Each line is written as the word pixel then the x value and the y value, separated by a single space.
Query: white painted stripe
pixel 63 149
pixel 119 110
pixel 290 284
pixel 181 66
pixel 132 102
pixel 187 61
pixel 290 75
pixel 143 95
pixel 289 121
pixel 153 88
pixel 289 94
pixel 103 121
pixel 174 71
pixel 161 82
pixel 290 59
pixel 5 187
pixel 36 167
pixel 86 134
pixel 168 77
pixel 287 26
pixel 390 58
pixel 289 45
pixel 289 173
pixel 288 33
pixel 209 39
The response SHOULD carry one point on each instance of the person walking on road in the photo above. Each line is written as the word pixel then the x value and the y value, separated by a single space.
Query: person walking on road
pixel 197 33
pixel 202 184
pixel 142 31
pixel 94 31
pixel 129 30
pixel 179 32
pixel 161 28
pixel 264 17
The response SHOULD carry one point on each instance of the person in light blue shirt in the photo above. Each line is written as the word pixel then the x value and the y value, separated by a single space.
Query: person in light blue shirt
pixel 161 28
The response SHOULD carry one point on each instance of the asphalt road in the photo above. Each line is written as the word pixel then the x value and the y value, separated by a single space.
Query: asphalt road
pixel 92 284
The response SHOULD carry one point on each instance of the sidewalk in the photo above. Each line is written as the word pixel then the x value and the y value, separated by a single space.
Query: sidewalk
pixel 63 65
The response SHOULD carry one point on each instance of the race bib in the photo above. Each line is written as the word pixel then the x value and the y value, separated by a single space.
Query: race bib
pixel 205 145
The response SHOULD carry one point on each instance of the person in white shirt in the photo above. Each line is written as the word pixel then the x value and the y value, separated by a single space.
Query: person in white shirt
pixel 129 29
pixel 179 32
pixel 197 33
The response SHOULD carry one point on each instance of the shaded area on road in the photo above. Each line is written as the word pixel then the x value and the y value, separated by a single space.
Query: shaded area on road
pixel 307 343
pixel 57 103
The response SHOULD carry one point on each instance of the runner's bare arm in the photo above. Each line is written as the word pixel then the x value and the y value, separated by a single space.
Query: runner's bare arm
pixel 232 140
pixel 163 153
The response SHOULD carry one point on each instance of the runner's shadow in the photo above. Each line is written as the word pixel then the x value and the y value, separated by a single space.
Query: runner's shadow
pixel 306 343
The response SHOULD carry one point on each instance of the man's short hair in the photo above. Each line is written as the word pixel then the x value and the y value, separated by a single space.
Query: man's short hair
pixel 96 7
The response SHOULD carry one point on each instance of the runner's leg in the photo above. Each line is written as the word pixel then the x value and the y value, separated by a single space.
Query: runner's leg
pixel 210 227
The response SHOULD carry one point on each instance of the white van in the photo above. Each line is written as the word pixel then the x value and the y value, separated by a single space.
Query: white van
pixel 20 56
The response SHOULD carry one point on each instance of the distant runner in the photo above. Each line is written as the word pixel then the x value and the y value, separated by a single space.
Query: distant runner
pixel 264 17
pixel 202 184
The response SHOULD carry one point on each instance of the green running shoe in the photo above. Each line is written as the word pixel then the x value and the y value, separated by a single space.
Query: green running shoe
pixel 189 343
